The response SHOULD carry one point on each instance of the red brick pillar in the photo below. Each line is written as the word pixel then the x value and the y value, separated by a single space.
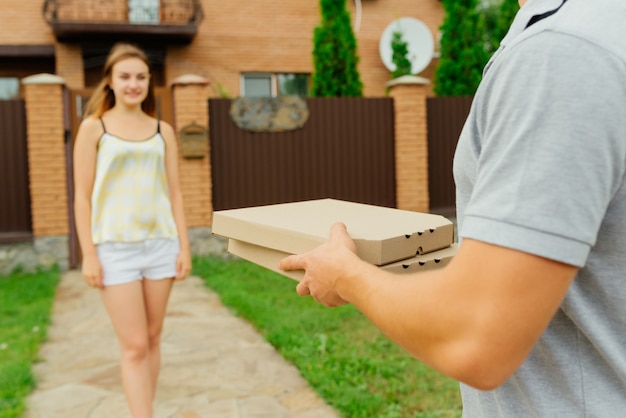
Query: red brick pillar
pixel 191 94
pixel 411 142
pixel 47 154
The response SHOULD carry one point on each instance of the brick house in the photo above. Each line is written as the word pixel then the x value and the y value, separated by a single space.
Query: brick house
pixel 199 49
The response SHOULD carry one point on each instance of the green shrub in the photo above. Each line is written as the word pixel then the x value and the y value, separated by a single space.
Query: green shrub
pixel 463 53
pixel 399 55
pixel 334 53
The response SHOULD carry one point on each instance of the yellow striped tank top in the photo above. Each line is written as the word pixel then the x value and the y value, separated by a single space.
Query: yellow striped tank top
pixel 130 198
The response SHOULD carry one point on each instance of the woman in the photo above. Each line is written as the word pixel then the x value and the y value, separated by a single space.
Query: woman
pixel 129 215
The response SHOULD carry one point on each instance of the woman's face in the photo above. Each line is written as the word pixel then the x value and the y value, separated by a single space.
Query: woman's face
pixel 130 79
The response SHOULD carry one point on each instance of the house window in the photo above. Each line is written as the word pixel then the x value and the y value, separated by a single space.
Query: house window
pixel 258 85
pixel 297 84
pixel 273 85
pixel 9 88
pixel 143 11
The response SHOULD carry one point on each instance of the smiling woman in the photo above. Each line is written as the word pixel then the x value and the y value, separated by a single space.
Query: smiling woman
pixel 129 215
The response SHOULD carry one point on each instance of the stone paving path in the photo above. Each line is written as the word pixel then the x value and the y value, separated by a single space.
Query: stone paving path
pixel 214 365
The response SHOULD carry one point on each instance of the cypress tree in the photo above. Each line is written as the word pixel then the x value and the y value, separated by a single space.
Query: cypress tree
pixel 463 53
pixel 497 16
pixel 489 14
pixel 334 53
pixel 508 10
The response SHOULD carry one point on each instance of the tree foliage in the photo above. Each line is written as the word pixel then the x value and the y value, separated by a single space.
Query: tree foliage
pixel 497 16
pixel 334 53
pixel 508 10
pixel 463 53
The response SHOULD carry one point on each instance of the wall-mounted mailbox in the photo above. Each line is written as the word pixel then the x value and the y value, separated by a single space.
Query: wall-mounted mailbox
pixel 194 141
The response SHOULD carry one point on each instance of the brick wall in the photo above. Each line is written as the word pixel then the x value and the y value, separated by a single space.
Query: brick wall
pixel 191 106
pixel 243 36
pixel 22 23
pixel 235 36
pixel 411 146
pixel 46 157
pixel 69 65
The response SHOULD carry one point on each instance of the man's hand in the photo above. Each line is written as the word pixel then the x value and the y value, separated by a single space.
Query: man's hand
pixel 324 267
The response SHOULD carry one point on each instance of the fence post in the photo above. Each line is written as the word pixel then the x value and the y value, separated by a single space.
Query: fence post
pixel 409 94
pixel 191 106
pixel 46 142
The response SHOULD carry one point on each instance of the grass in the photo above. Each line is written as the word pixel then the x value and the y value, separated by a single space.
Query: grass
pixel 25 305
pixel 344 358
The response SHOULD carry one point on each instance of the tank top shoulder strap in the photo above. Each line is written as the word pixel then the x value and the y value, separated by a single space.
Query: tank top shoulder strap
pixel 103 127
pixel 158 126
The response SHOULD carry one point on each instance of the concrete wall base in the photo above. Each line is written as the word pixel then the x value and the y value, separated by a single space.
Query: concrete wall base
pixel 41 253
pixel 47 252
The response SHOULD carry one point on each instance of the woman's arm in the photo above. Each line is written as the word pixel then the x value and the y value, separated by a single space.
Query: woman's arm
pixel 475 320
pixel 176 198
pixel 85 154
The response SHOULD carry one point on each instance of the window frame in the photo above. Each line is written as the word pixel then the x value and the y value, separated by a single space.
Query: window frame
pixel 274 83
pixel 16 83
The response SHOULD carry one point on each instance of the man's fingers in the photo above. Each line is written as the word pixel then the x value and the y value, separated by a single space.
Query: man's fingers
pixel 292 262
pixel 339 234
pixel 302 289
pixel 339 230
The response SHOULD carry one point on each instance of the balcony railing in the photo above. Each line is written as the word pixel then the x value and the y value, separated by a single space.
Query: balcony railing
pixel 169 21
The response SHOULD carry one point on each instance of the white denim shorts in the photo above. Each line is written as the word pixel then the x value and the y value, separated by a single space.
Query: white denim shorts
pixel 125 262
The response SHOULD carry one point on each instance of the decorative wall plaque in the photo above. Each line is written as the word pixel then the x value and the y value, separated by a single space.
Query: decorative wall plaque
pixel 269 114
pixel 194 141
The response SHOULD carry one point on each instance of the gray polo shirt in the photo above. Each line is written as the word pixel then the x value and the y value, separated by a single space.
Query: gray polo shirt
pixel 540 168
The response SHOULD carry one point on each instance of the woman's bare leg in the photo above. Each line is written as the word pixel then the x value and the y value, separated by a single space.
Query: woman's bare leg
pixel 156 294
pixel 126 306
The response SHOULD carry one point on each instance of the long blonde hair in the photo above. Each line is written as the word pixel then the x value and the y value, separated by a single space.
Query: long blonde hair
pixel 103 98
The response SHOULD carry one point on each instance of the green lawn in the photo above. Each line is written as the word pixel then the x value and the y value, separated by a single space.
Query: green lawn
pixel 345 359
pixel 25 305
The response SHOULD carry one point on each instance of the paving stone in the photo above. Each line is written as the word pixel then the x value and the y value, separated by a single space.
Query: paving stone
pixel 66 399
pixel 301 400
pixel 214 365
pixel 262 407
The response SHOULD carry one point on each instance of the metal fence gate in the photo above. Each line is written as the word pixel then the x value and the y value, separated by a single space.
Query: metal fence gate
pixel 15 212
pixel 446 116
pixel 344 151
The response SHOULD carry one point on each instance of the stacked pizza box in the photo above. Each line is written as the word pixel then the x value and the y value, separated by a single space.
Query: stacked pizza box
pixel 396 240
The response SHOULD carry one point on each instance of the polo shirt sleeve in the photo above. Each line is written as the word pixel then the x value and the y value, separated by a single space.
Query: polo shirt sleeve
pixel 550 153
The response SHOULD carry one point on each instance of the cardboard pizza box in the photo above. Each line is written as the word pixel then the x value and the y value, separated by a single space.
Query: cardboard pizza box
pixel 424 262
pixel 382 235
pixel 269 258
